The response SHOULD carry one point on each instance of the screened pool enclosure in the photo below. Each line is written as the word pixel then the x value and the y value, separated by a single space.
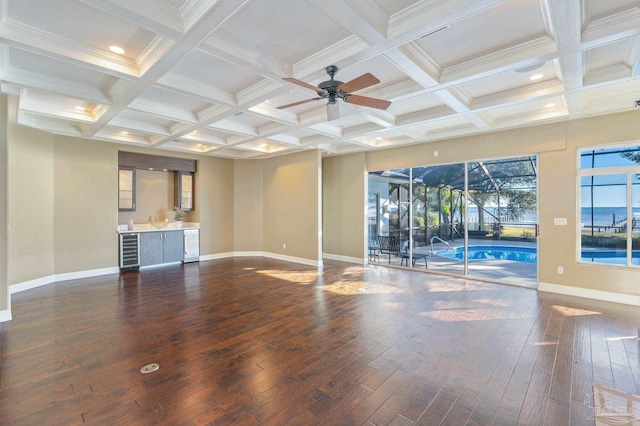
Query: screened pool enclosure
pixel 477 219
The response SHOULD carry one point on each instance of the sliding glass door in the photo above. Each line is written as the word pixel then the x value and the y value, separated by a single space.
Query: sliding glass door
pixel 475 219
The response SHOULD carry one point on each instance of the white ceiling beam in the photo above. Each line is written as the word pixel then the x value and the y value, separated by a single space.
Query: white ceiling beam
pixel 566 19
pixel 155 16
pixel 206 25
pixel 366 20
pixel 226 47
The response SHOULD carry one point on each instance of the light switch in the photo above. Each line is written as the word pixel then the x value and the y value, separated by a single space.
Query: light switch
pixel 560 221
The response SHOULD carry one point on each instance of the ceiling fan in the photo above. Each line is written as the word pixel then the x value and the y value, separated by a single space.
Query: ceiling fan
pixel 334 90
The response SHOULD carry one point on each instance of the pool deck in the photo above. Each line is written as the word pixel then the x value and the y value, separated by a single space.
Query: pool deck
pixel 506 271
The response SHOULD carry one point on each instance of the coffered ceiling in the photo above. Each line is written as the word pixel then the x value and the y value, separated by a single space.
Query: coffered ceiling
pixel 206 75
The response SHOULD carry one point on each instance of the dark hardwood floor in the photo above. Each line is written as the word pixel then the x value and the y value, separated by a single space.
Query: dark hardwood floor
pixel 256 341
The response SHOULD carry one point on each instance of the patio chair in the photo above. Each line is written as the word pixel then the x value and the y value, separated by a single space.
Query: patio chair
pixel 389 245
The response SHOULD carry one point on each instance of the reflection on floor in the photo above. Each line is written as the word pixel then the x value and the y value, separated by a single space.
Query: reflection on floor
pixel 510 272
pixel 258 341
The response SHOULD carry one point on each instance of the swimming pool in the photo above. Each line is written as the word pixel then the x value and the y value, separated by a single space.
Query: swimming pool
pixel 515 253
pixel 613 257
pixel 530 254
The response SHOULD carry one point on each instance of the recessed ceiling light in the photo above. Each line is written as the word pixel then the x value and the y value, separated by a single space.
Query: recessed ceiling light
pixel 378 139
pixel 164 170
pixel 79 108
pixel 116 49
pixel 195 131
pixel 124 132
pixel 199 145
pixel 551 105
pixel 150 168
pixel 264 145
pixel 536 77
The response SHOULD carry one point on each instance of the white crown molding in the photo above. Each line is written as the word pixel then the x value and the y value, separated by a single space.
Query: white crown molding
pixel 314 66
pixel 229 48
pixel 153 52
pixel 606 75
pixel 518 95
pixel 153 15
pixel 613 24
pixel 45 83
pixel 139 126
pixel 502 60
pixel 22 36
pixel 259 92
pixel 193 88
pixel 587 293
pixel 58 127
pixel 163 111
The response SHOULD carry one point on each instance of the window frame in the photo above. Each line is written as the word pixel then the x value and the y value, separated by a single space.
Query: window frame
pixel 627 170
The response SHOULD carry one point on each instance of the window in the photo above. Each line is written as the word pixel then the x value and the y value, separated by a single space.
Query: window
pixel 610 206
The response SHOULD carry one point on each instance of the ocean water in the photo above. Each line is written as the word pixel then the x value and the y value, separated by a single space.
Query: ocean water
pixel 605 215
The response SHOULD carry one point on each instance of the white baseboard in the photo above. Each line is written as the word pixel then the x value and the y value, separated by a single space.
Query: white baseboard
pixel 5 316
pixel 248 254
pixel 301 260
pixel 348 259
pixel 608 296
pixel 28 285
pixel 87 274
pixel 216 256
pixel 267 254
pixel 39 282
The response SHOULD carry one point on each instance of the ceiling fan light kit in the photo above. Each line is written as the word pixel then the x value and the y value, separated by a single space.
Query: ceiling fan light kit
pixel 332 90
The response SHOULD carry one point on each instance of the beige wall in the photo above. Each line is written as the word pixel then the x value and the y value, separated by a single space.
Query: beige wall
pixel 343 197
pixel 214 204
pixel 292 213
pixel 64 209
pixel 85 205
pixel 31 166
pixel 248 205
pixel 154 197
pixel 557 145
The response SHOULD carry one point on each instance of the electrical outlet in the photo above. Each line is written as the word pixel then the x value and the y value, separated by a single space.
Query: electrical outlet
pixel 562 221
pixel 560 270
pixel 284 247
pixel 435 153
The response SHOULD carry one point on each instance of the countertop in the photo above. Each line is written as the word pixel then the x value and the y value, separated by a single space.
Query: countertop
pixel 161 226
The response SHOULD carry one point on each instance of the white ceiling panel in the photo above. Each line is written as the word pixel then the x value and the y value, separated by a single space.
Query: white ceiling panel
pixel 81 23
pixel 513 22
pixel 214 72
pixel 288 30
pixel 176 100
pixel 510 80
pixel 219 83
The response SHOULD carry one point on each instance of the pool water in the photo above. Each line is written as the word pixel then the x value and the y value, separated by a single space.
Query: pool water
pixel 530 254
pixel 515 253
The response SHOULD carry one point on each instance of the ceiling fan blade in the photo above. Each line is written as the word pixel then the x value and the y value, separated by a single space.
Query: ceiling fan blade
pixel 333 111
pixel 298 103
pixel 365 101
pixel 358 83
pixel 303 84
